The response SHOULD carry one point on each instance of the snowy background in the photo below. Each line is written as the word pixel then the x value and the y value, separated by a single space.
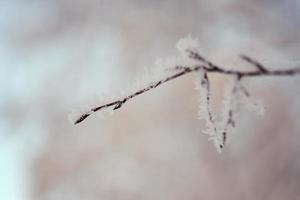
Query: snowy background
pixel 56 55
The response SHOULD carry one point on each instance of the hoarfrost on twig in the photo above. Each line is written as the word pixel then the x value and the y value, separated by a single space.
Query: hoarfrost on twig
pixel 190 61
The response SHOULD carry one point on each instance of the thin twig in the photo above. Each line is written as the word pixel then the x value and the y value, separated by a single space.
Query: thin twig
pixel 254 63
pixel 206 84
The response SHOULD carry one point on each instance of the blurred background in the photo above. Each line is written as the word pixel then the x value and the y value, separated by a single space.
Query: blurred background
pixel 56 54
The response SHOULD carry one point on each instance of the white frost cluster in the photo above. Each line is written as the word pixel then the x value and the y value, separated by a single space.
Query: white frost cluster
pixel 188 43
pixel 184 46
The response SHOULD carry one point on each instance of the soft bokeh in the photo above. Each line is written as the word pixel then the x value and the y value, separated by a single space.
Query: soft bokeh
pixel 56 55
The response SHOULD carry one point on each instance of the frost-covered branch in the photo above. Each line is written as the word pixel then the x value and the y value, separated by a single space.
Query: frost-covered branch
pixel 194 62
pixel 119 102
pixel 184 71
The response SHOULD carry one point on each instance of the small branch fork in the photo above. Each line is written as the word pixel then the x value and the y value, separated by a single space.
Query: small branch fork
pixel 205 65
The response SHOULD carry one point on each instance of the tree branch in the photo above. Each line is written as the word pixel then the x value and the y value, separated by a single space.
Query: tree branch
pixel 207 66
